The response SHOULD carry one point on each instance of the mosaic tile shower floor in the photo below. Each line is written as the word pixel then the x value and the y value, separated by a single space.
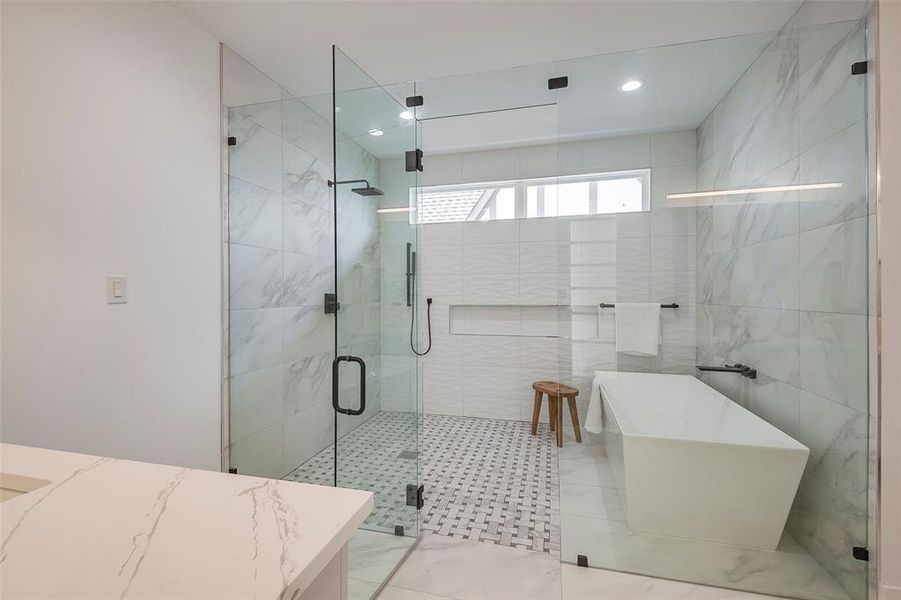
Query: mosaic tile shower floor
pixel 486 480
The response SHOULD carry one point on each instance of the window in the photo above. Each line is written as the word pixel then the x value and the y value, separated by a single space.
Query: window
pixel 594 194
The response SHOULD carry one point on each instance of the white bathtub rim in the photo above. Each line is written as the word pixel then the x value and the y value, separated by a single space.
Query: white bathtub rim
pixel 790 445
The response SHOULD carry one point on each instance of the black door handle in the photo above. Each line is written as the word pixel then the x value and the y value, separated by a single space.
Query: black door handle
pixel 336 366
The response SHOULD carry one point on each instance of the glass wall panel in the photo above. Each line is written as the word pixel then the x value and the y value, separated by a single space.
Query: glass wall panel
pixel 718 191
pixel 280 263
pixel 374 396
pixel 755 247
pixel 295 240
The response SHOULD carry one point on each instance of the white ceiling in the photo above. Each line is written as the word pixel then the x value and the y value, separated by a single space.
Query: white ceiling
pixel 400 41
pixel 682 85
pixel 432 41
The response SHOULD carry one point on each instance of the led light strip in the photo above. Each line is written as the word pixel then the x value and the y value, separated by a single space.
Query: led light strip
pixel 760 190
pixel 393 210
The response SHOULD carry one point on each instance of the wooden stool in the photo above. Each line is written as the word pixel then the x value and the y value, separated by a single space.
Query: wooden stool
pixel 555 392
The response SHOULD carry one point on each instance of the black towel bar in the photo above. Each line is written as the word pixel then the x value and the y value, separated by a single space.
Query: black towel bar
pixel 673 305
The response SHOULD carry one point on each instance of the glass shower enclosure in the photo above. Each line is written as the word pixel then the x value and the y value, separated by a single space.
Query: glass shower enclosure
pixel 753 232
pixel 321 381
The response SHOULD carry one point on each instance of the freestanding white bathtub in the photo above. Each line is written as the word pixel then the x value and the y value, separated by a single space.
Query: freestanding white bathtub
pixel 694 464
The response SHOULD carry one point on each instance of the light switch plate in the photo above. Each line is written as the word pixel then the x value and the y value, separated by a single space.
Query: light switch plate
pixel 116 289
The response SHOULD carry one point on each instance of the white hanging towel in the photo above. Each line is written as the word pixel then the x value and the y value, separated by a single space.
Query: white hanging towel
pixel 594 420
pixel 637 328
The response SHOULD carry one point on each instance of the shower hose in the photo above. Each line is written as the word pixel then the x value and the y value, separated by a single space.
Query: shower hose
pixel 428 313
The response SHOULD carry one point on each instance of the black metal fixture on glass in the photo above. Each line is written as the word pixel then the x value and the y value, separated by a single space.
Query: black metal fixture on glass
pixel 414 495
pixel 336 365
pixel 368 190
pixel 413 160
pixel 331 304
pixel 606 305
pixel 743 370
pixel 557 83
pixel 860 68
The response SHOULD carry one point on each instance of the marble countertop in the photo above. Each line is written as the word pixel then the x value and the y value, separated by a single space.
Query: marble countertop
pixel 108 528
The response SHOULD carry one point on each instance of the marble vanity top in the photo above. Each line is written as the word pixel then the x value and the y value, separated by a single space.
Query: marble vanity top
pixel 108 528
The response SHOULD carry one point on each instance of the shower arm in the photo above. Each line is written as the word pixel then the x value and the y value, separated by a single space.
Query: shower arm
pixel 334 183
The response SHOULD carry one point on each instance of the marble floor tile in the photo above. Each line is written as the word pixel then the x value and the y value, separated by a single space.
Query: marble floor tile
pixel 373 554
pixel 612 545
pixel 358 589
pixel 584 466
pixel 467 570
pixel 591 501
pixel 395 593
pixel 600 584
pixel 443 568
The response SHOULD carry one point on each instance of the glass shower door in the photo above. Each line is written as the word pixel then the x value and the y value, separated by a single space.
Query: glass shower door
pixel 374 385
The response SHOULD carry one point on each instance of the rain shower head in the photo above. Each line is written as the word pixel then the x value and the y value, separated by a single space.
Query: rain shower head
pixel 368 190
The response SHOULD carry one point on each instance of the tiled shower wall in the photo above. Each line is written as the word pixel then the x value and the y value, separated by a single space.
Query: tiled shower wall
pixel 280 250
pixel 530 288
pixel 782 278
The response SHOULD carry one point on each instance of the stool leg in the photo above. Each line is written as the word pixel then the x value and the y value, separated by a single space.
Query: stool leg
pixel 552 411
pixel 574 414
pixel 559 415
pixel 536 412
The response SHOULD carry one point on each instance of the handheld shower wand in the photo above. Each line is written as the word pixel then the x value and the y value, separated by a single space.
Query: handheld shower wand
pixel 411 301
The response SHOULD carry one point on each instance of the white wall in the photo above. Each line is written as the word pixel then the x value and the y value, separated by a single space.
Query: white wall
pixel 889 210
pixel 111 148
pixel 1 213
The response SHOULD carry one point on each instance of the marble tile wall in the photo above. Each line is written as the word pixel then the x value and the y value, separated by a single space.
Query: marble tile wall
pixel 507 274
pixel 782 279
pixel 281 263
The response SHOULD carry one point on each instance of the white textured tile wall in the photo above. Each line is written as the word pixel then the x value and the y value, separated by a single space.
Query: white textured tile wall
pixel 497 285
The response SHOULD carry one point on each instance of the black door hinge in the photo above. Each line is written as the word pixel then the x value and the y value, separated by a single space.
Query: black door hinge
pixel 413 160
pixel 332 306
pixel 557 83
pixel 232 140
pixel 414 495
pixel 860 553
pixel 414 101
pixel 860 68
pixel 233 470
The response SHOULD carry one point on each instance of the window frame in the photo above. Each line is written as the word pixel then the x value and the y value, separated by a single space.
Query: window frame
pixel 487 205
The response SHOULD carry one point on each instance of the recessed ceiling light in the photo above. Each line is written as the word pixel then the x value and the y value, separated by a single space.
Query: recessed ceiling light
pixel 631 85
pixel 376 132
pixel 407 115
